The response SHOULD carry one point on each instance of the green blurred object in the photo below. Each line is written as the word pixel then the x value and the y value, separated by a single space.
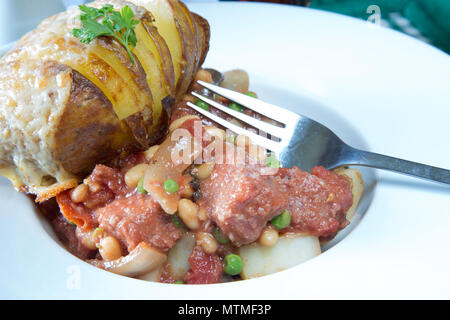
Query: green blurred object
pixel 427 20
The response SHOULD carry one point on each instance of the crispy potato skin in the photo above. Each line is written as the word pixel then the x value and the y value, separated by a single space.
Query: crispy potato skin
pixel 205 34
pixel 89 131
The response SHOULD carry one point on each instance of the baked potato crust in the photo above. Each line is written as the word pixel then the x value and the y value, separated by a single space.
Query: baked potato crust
pixel 66 106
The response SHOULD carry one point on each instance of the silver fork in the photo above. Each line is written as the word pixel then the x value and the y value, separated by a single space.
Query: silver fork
pixel 304 142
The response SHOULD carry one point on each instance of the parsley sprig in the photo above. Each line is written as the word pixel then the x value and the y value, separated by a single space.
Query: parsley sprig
pixel 107 22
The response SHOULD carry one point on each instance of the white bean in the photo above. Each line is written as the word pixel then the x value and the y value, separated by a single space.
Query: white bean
pixel 187 211
pixel 202 214
pixel 215 132
pixel 79 193
pixel 269 237
pixel 207 242
pixel 110 248
pixel 205 170
pixel 188 191
pixel 151 151
pixel 135 174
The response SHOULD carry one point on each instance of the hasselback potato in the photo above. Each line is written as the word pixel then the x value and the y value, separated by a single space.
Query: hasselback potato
pixel 66 105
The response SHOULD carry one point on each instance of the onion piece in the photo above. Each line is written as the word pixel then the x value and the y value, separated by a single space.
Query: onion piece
pixel 142 259
pixel 236 80
pixel 357 187
pixel 172 158
pixel 152 276
pixel 177 258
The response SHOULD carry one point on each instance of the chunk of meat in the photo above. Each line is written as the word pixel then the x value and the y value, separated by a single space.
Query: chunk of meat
pixel 318 201
pixel 121 211
pixel 240 200
pixel 105 184
pixel 138 218
pixel 66 234
pixel 205 268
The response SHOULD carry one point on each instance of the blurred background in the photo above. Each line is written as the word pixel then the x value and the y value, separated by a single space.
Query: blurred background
pixel 426 20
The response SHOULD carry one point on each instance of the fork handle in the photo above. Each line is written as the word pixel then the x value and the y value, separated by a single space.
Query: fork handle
pixel 415 169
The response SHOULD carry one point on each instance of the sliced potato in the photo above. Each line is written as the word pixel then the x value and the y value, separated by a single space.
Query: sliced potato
pixel 291 250
pixel 189 47
pixel 147 52
pixel 133 74
pixel 177 259
pixel 357 187
pixel 163 12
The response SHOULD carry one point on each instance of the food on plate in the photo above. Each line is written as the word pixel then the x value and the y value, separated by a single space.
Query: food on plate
pixel 208 218
pixel 95 124
pixel 76 92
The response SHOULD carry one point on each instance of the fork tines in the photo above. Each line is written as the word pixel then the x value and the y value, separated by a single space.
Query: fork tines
pixel 276 113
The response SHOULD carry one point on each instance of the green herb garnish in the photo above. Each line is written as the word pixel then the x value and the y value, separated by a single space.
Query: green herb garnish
pixel 107 22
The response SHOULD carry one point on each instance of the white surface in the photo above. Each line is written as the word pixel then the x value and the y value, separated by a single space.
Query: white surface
pixel 392 88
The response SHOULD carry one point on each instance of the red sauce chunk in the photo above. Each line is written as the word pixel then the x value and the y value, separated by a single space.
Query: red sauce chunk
pixel 205 268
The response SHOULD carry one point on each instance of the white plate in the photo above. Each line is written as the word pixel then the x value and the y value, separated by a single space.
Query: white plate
pixel 391 88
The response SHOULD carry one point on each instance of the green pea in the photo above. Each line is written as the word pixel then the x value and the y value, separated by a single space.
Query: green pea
pixel 220 237
pixel 233 264
pixel 282 221
pixel 251 94
pixel 236 107
pixel 140 187
pixel 170 186
pixel 272 161
pixel 201 104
